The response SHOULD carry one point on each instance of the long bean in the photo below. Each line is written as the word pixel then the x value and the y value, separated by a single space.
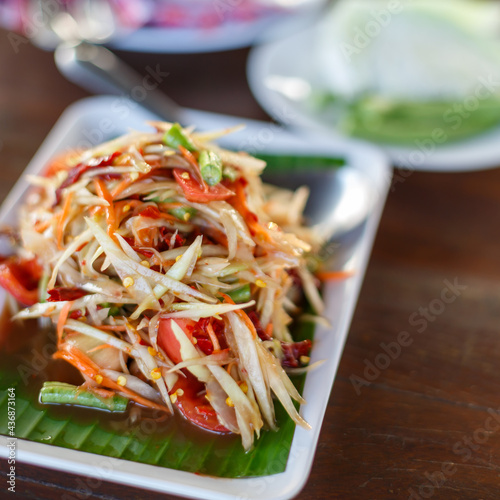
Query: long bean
pixel 67 394
pixel 210 167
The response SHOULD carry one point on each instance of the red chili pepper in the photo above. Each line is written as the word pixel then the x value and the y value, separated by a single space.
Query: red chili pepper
pixel 75 314
pixel 254 318
pixel 20 278
pixel 64 293
pixel 204 343
pixel 292 351
pixel 110 177
pixel 146 253
pixel 76 172
pixel 166 236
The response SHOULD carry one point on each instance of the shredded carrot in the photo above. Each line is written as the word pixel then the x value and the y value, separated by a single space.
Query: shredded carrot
pixel 63 218
pixel 115 328
pixel 121 186
pixel 189 157
pixel 120 210
pixel 94 210
pixel 240 204
pixel 111 221
pixel 63 316
pixel 128 181
pixel 41 226
pixel 269 330
pixel 98 391
pixel 229 367
pixel 334 275
pixel 227 298
pixel 213 337
pixel 99 347
pixel 244 316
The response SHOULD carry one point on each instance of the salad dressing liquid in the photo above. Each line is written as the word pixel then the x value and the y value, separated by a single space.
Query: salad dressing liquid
pixel 26 354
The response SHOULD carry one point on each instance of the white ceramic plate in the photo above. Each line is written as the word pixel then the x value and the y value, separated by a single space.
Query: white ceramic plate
pixel 100 118
pixel 228 35
pixel 286 67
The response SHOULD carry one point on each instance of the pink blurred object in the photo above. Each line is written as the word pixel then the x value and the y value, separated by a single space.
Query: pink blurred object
pixel 133 14
pixel 203 14
pixel 13 14
pixel 130 14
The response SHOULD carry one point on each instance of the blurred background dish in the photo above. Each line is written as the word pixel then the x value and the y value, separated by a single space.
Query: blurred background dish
pixel 180 26
pixel 420 79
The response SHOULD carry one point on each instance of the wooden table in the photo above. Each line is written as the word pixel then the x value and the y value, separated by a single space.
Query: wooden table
pixel 425 424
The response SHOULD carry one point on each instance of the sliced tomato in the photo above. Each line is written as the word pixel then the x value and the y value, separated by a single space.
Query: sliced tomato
pixel 151 212
pixel 195 331
pixel 194 192
pixel 167 340
pixel 193 404
pixel 20 278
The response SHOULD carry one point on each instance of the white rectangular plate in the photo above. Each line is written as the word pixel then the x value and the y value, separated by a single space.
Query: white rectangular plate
pixel 100 118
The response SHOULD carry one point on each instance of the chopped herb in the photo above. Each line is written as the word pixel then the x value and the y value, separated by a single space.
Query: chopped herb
pixel 175 137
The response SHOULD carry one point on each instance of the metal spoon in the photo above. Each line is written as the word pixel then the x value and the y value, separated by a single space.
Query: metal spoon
pixel 98 70
pixel 76 30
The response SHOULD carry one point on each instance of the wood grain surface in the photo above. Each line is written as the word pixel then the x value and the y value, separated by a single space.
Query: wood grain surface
pixel 415 410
